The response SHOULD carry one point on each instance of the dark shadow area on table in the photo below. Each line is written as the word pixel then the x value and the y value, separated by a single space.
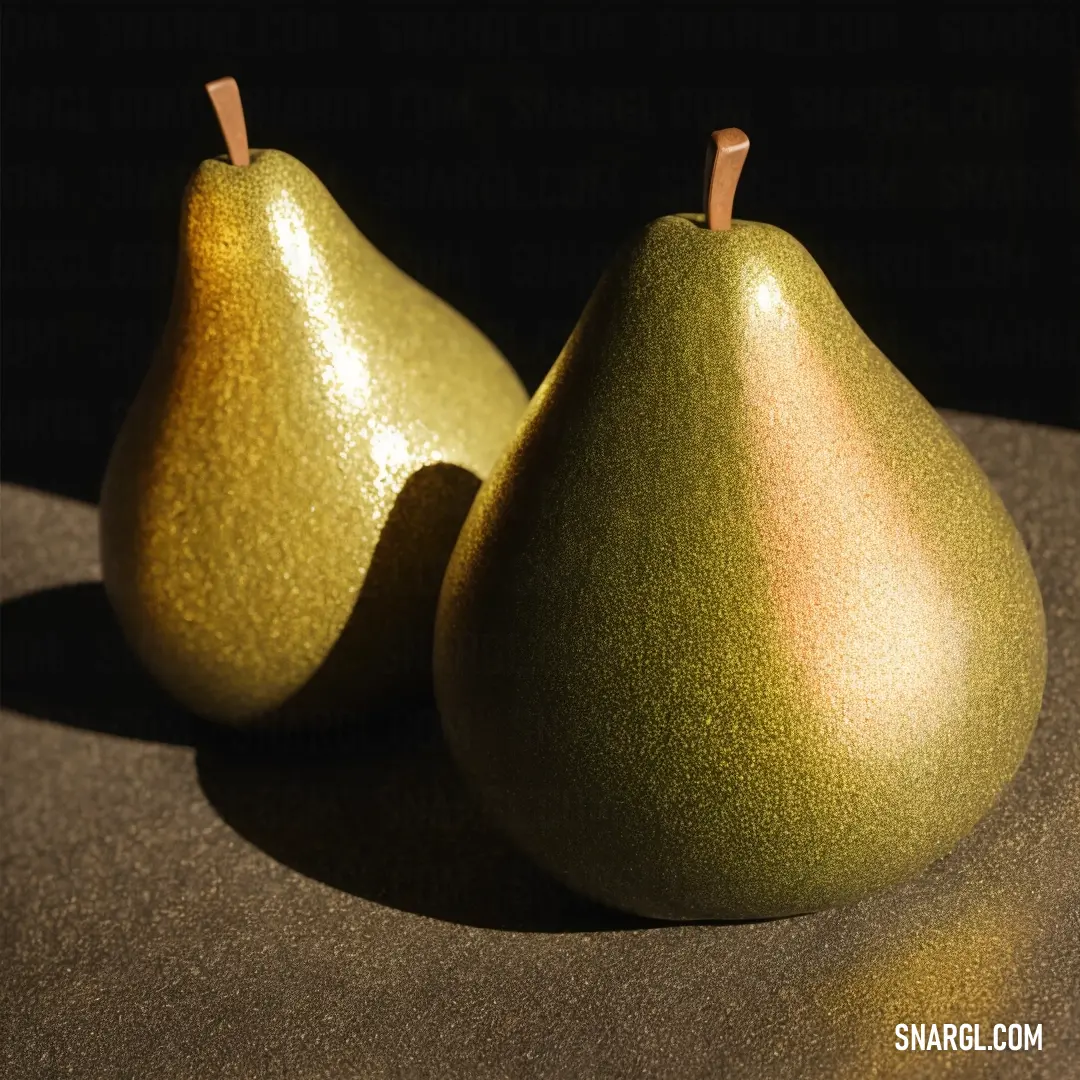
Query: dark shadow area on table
pixel 63 658
pixel 384 815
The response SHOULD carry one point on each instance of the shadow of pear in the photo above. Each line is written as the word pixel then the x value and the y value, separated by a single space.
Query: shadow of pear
pixel 381 813
pixel 63 658
pixel 381 662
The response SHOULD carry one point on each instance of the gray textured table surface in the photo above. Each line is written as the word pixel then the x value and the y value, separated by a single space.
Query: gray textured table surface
pixel 178 904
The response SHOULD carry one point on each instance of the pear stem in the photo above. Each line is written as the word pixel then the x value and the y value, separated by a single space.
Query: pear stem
pixel 723 164
pixel 225 97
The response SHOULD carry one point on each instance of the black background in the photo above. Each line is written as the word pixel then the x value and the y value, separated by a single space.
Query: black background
pixel 928 162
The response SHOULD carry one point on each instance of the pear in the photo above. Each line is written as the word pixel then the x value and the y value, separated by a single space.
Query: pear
pixel 736 628
pixel 283 495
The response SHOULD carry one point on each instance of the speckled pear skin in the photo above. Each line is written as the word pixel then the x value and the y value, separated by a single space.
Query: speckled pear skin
pixel 301 382
pixel 737 627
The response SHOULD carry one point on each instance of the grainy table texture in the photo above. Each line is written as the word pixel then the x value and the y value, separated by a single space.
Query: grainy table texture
pixel 179 903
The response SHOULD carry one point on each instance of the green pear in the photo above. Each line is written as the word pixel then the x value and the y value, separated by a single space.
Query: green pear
pixel 286 488
pixel 737 627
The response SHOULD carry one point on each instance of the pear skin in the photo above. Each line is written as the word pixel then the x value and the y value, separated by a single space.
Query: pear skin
pixel 302 386
pixel 737 628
